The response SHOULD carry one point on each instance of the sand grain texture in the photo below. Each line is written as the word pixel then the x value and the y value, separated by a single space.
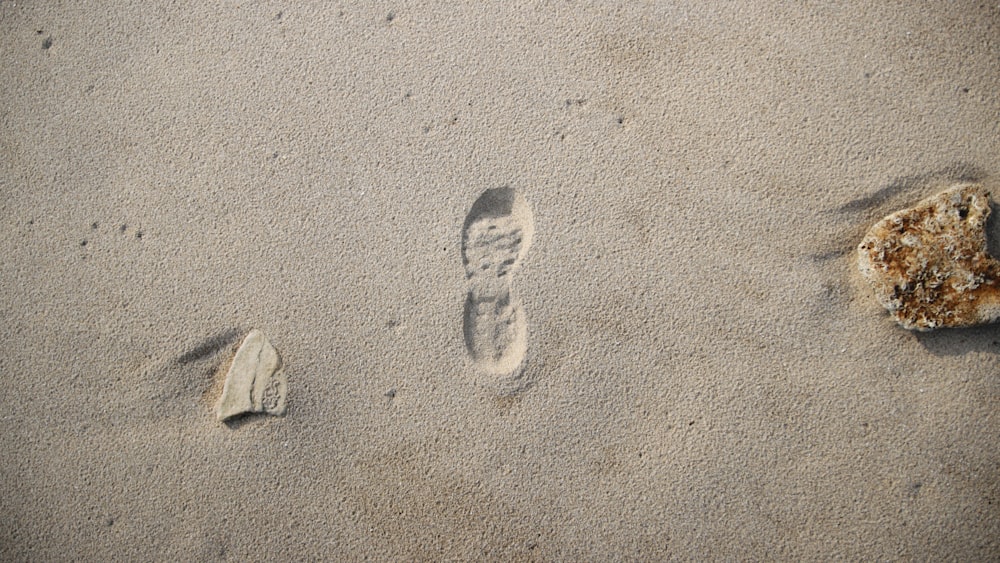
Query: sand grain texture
pixel 698 369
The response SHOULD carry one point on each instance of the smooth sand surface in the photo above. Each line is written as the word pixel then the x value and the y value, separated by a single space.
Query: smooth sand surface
pixel 704 375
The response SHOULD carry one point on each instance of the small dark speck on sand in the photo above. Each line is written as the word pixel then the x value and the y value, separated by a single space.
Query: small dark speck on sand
pixel 47 43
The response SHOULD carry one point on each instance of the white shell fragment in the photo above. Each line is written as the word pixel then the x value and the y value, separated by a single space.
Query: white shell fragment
pixel 255 381
pixel 929 264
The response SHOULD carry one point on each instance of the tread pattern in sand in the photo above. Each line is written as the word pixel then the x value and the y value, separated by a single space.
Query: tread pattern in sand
pixel 495 238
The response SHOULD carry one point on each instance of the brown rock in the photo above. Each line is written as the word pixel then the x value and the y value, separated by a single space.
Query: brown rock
pixel 929 265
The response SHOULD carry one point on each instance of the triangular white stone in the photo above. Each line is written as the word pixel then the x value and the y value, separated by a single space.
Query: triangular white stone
pixel 255 381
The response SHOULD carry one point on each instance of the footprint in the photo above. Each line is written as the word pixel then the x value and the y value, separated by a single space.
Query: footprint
pixel 495 238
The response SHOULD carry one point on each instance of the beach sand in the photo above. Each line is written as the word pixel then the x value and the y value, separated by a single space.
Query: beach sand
pixel 691 366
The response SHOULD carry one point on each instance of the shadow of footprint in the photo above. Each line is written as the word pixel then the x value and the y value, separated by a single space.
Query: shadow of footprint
pixel 495 237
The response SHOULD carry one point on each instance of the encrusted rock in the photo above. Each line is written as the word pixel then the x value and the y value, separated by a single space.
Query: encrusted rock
pixel 255 381
pixel 929 265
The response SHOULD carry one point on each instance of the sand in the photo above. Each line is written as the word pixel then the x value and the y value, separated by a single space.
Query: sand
pixel 704 375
